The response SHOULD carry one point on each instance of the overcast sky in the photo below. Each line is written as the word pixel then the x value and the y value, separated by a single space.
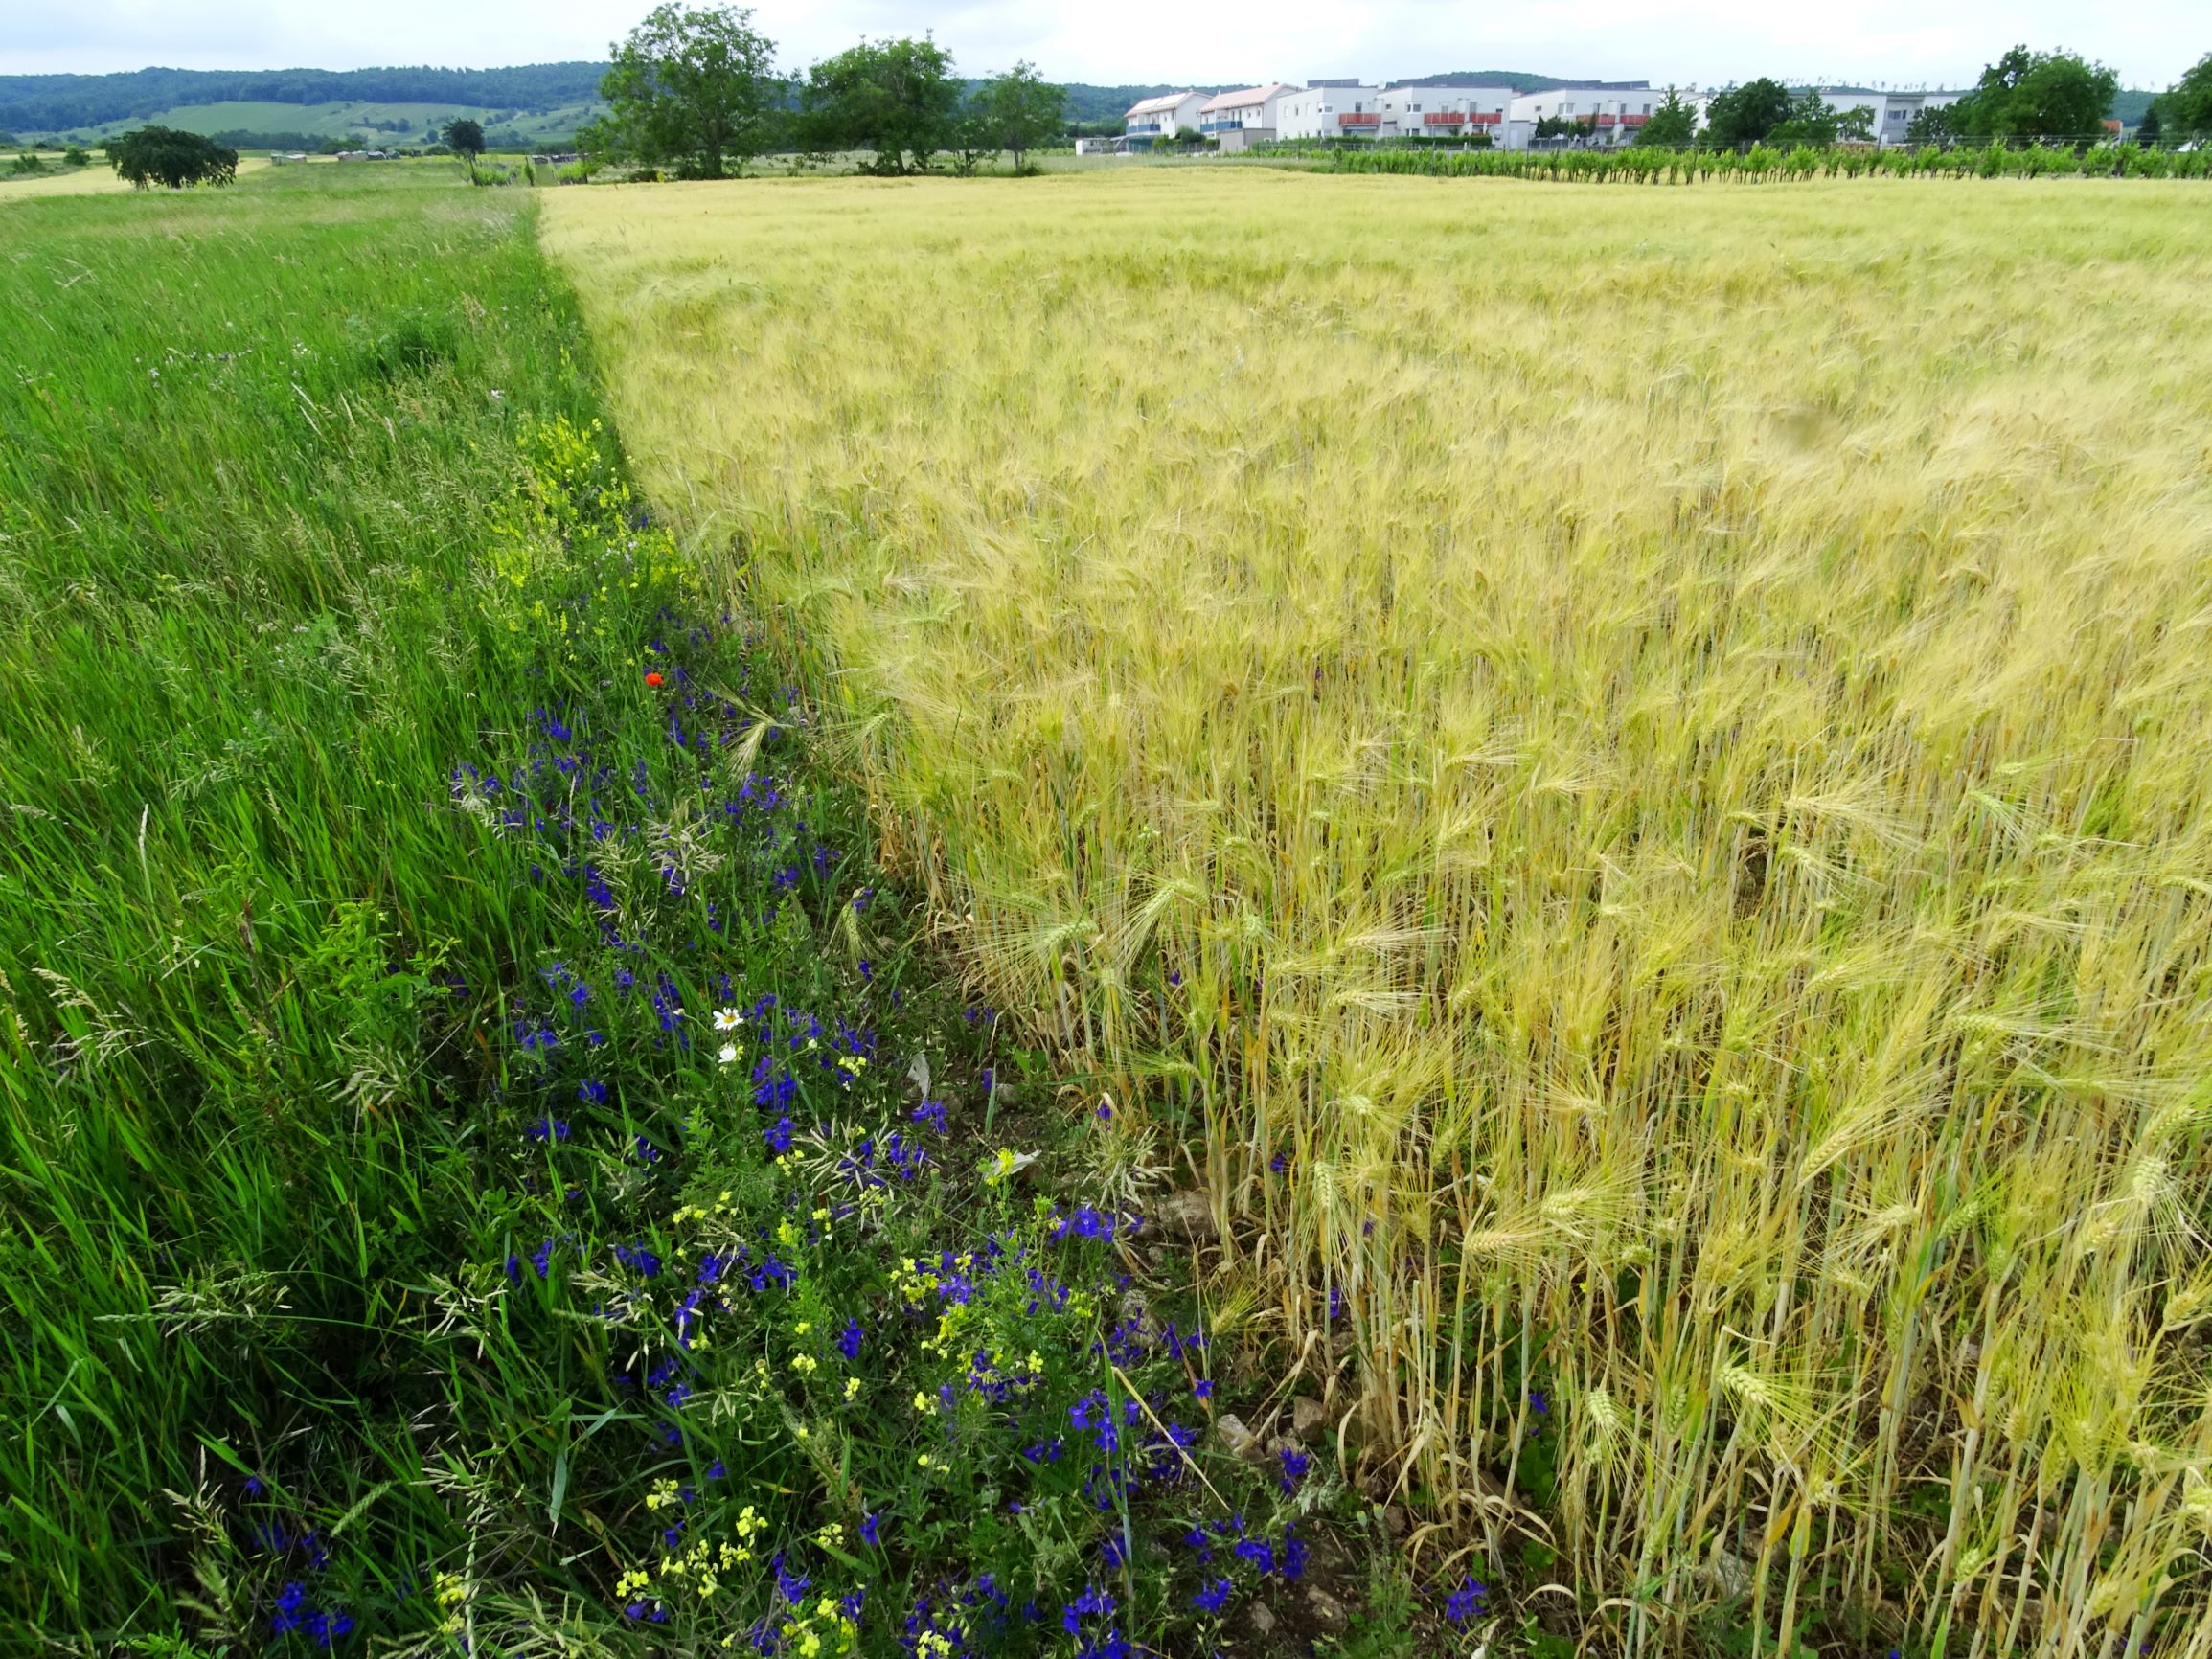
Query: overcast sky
pixel 1912 42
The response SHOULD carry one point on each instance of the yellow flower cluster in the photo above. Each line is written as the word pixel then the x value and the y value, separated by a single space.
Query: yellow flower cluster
pixel 452 1591
pixel 722 1206
pixel 824 1632
pixel 704 1564
pixel 914 1281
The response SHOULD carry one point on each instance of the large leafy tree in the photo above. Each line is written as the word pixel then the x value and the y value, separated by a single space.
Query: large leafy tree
pixel 1019 110
pixel 1931 123
pixel 2037 95
pixel 895 99
pixel 164 156
pixel 694 90
pixel 1810 121
pixel 1673 125
pixel 1746 114
pixel 2185 109
pixel 464 136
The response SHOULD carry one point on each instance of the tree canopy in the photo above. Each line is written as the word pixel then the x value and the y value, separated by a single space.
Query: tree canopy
pixel 1747 114
pixel 164 156
pixel 1931 123
pixel 695 89
pixel 896 98
pixel 1810 121
pixel 464 137
pixel 2029 94
pixel 1674 123
pixel 2184 110
pixel 1019 110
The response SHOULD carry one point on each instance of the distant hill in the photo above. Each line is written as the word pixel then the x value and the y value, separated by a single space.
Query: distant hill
pixel 2131 104
pixel 41 104
pixel 530 98
pixel 1519 80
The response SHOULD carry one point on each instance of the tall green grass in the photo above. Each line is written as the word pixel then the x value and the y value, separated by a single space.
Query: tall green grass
pixel 240 467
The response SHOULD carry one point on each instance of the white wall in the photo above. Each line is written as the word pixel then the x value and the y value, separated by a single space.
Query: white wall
pixel 1403 108
pixel 1618 113
pixel 1184 114
pixel 1311 111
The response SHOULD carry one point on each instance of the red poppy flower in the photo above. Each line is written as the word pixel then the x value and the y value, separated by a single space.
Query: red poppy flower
pixel 653 680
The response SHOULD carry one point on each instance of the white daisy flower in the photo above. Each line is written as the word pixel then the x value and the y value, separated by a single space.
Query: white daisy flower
pixel 728 1019
pixel 729 1055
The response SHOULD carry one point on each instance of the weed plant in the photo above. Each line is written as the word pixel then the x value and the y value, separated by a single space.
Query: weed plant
pixel 481 1168
pixel 1625 776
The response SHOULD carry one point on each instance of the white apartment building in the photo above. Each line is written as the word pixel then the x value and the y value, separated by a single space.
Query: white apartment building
pixel 1611 114
pixel 1239 119
pixel 1444 111
pixel 1893 112
pixel 1154 119
pixel 1329 109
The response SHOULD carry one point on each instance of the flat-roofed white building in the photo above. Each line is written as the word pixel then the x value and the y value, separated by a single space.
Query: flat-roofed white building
pixel 1893 112
pixel 1239 119
pixel 1608 114
pixel 1444 111
pixel 1329 109
pixel 1152 118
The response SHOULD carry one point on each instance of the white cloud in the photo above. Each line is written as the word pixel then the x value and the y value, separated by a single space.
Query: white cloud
pixel 1708 42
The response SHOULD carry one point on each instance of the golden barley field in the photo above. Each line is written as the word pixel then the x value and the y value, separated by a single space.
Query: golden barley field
pixel 1624 775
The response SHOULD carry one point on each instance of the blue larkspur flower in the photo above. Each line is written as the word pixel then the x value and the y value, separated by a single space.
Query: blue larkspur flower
pixel 1465 1602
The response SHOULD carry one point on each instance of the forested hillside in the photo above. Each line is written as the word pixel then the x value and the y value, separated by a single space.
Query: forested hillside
pixel 60 102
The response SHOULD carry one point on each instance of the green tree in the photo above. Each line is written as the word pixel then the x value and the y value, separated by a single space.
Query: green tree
pixel 1020 110
pixel 1931 123
pixel 2185 111
pixel 75 156
pixel 972 142
pixel 1746 114
pixel 1674 124
pixel 2045 94
pixel 895 99
pixel 1810 121
pixel 161 155
pixel 1856 125
pixel 464 136
pixel 694 90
